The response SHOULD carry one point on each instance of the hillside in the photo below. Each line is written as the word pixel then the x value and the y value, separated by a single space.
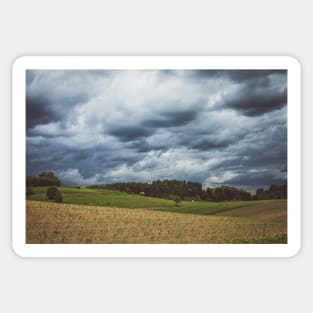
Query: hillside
pixel 113 198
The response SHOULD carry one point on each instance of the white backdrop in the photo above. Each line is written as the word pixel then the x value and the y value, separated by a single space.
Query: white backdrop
pixel 161 27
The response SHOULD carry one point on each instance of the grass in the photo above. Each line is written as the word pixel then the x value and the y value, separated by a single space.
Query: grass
pixel 268 239
pixel 48 222
pixel 112 198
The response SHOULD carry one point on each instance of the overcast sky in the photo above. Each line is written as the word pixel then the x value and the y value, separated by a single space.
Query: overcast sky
pixel 215 127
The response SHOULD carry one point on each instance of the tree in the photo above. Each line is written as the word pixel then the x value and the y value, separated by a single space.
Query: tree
pixel 177 200
pixel 43 179
pixel 54 194
pixel 47 174
pixel 58 197
pixel 51 193
pixel 274 192
pixel 209 194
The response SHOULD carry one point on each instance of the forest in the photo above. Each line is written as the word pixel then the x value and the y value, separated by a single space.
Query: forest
pixel 186 190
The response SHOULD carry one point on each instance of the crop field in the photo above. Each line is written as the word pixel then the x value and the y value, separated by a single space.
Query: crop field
pixel 107 217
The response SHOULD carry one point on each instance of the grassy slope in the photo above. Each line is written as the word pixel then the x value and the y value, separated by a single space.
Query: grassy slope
pixel 111 198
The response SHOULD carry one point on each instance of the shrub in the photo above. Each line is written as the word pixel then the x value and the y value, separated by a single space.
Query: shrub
pixel 54 194
pixel 51 192
pixel 177 200
pixel 58 197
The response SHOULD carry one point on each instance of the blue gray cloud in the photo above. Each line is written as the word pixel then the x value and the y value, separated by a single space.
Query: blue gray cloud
pixel 212 126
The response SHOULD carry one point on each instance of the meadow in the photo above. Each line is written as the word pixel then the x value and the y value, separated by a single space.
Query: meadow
pixel 113 198
pixel 106 216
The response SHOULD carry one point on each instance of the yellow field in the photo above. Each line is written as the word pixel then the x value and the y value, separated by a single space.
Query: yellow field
pixel 68 223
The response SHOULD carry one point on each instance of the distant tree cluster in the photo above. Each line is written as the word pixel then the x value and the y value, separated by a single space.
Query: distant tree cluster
pixel 274 192
pixel 185 190
pixel 43 179
pixel 226 193
pixel 161 189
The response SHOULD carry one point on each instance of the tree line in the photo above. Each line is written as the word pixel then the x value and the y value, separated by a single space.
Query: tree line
pixel 187 190
pixel 184 189
pixel 274 192
pixel 43 179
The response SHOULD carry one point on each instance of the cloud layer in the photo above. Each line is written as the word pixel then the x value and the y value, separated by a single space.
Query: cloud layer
pixel 214 127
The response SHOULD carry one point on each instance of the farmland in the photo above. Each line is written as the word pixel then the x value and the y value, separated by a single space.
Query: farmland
pixel 112 198
pixel 102 216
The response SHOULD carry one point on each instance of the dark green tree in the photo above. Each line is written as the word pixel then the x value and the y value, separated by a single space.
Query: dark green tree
pixel 55 194
pixel 177 200
pixel 43 179
pixel 58 197
pixel 51 193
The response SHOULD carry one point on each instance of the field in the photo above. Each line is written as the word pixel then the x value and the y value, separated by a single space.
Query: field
pixel 112 198
pixel 103 216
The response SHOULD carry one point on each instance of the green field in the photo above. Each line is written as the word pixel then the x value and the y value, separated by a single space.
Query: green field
pixel 112 198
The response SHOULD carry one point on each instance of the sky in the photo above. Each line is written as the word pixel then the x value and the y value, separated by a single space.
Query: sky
pixel 216 127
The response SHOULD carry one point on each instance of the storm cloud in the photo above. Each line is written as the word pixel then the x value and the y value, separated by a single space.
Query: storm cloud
pixel 211 126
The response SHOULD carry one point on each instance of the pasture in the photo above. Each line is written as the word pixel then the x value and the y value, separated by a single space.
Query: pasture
pixel 113 198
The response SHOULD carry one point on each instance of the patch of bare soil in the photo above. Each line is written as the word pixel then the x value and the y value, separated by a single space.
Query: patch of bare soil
pixel 275 212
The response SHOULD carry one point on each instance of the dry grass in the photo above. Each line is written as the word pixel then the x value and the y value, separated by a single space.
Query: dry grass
pixel 69 223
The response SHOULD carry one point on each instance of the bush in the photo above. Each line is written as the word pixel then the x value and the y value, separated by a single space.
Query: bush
pixel 51 192
pixel 177 200
pixel 54 194
pixel 58 197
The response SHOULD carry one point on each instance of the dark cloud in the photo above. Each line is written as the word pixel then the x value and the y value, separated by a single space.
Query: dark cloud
pixel 212 126
pixel 260 91
pixel 171 119
pixel 256 101
pixel 129 133
pixel 236 75
pixel 250 75
pixel 142 145
pixel 59 158
pixel 38 111
pixel 207 144
pixel 206 74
